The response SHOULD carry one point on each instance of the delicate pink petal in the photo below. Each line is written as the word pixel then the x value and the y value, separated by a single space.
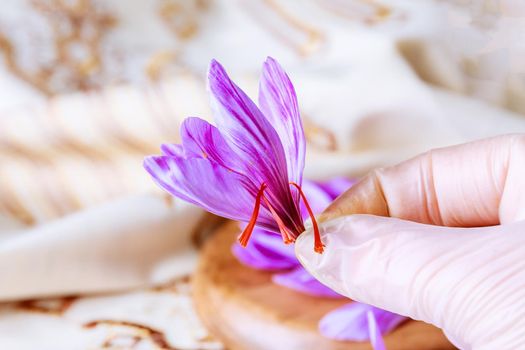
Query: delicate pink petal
pixel 278 103
pixel 350 322
pixel 301 281
pixel 203 183
pixel 255 141
pixel 375 334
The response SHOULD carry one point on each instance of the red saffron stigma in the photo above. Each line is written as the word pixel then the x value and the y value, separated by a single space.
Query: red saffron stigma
pixel 245 235
pixel 285 232
pixel 318 244
pixel 288 236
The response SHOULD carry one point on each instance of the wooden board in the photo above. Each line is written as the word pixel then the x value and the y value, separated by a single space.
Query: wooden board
pixel 245 310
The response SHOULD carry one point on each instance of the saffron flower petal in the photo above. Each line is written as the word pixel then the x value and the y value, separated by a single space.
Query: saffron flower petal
pixel 251 136
pixel 278 103
pixel 266 251
pixel 247 130
pixel 375 335
pixel 274 245
pixel 350 322
pixel 202 140
pixel 203 183
pixel 302 281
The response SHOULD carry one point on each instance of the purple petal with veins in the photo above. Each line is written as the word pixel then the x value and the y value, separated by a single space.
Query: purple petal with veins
pixel 255 141
pixel 350 322
pixel 266 251
pixel 201 182
pixel 278 102
pixel 200 139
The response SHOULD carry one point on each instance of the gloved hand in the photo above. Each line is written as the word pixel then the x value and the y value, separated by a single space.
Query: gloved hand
pixel 442 240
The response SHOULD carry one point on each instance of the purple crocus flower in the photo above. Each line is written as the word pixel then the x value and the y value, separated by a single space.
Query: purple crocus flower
pixel 249 166
pixel 266 252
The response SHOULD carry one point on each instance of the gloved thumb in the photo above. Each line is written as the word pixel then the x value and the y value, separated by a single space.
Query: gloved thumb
pixel 464 281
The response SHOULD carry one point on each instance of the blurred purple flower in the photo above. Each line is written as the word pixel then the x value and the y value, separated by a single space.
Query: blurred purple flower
pixel 249 167
pixel 349 322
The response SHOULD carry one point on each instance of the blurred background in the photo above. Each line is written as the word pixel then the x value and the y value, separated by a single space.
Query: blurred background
pixel 89 87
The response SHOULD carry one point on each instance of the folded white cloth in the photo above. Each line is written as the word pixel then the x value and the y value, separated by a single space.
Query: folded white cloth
pixel 128 243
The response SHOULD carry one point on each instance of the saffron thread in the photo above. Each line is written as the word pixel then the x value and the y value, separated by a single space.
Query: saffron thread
pixel 288 236
pixel 247 232
pixel 318 244
pixel 285 233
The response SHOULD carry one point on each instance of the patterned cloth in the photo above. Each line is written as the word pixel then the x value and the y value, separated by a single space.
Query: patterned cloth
pixel 154 318
pixel 89 87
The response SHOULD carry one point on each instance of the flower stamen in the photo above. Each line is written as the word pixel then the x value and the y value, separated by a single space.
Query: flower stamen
pixel 318 244
pixel 247 232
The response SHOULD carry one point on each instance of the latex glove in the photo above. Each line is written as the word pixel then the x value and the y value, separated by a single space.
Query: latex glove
pixel 445 243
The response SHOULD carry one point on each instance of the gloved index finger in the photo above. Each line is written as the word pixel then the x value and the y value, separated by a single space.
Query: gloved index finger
pixel 474 184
